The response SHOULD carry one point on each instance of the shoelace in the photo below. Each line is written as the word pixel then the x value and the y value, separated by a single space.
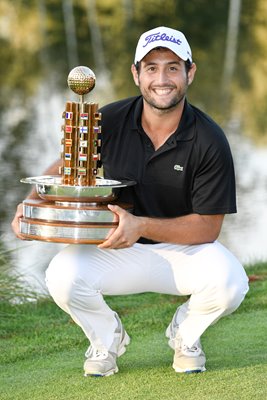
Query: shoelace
pixel 193 350
pixel 96 354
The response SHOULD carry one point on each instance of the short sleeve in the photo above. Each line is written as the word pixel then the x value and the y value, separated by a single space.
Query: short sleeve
pixel 214 190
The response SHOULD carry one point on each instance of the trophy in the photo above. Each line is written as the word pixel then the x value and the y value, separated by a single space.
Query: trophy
pixel 73 205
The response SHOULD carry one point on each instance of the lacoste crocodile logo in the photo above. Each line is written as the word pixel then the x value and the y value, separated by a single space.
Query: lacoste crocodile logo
pixel 178 167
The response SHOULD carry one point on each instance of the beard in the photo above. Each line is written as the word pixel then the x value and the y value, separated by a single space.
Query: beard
pixel 161 105
pixel 164 108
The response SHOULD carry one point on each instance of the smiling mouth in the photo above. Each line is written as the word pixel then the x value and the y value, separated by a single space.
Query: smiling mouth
pixel 163 91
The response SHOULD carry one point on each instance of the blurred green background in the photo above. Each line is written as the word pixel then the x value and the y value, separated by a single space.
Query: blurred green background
pixel 41 40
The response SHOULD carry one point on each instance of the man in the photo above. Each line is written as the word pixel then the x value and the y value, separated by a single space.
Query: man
pixel 182 165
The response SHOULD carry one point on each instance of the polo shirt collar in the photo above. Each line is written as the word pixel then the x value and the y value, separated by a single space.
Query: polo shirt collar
pixel 183 133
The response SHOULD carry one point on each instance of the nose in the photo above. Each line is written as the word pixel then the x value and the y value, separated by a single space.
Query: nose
pixel 162 77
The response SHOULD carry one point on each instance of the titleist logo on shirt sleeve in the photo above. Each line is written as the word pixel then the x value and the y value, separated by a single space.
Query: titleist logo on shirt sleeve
pixel 158 36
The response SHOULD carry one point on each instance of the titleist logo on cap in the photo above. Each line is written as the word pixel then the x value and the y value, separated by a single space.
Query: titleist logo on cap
pixel 161 36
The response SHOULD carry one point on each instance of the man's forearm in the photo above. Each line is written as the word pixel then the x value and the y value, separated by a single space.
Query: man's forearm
pixel 189 229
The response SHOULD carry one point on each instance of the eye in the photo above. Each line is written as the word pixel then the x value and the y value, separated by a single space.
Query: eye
pixel 151 68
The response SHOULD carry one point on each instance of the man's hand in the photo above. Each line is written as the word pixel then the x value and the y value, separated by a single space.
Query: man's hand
pixel 15 222
pixel 127 232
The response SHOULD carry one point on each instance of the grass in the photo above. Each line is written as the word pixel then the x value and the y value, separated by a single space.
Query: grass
pixel 12 286
pixel 42 352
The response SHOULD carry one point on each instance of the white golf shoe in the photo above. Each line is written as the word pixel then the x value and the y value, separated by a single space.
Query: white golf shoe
pixel 186 359
pixel 104 363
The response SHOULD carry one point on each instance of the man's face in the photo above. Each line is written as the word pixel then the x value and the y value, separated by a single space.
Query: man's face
pixel 162 79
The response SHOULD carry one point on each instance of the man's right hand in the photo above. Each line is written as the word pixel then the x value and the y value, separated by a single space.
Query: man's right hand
pixel 15 223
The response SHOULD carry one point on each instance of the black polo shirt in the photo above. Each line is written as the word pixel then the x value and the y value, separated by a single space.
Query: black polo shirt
pixel 191 173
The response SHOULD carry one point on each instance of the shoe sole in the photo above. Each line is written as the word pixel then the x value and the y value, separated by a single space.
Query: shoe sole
pixel 189 371
pixel 96 375
pixel 122 349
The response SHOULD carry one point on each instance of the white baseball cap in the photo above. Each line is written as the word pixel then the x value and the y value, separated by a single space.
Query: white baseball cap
pixel 163 37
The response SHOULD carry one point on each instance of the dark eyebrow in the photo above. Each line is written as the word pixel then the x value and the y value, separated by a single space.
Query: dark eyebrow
pixel 169 63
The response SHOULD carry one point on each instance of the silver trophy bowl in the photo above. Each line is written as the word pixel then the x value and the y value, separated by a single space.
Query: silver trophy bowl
pixel 50 188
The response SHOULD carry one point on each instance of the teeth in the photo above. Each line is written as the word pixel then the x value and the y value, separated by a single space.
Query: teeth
pixel 163 91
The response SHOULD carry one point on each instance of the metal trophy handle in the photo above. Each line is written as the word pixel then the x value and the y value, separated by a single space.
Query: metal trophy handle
pixel 73 205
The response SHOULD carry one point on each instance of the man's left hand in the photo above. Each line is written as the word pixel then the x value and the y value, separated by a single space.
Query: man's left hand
pixel 127 232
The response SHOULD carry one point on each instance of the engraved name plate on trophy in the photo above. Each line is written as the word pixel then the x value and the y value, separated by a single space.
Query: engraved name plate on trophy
pixel 73 205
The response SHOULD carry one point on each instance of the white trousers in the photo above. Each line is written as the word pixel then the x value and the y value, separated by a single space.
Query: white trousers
pixel 79 276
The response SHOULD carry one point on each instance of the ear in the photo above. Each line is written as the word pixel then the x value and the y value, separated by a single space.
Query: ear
pixel 191 73
pixel 135 75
